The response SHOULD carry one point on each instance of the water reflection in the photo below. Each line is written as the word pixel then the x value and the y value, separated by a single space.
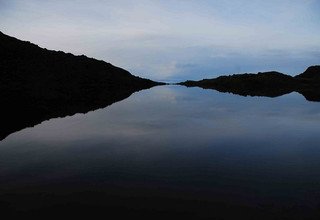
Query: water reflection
pixel 171 150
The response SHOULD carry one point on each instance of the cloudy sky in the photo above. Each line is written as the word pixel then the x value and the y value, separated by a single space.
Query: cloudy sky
pixel 174 40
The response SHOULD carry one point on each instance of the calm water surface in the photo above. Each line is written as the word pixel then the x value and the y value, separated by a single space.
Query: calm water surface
pixel 167 146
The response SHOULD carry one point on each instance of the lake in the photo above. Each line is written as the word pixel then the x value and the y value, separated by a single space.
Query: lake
pixel 170 151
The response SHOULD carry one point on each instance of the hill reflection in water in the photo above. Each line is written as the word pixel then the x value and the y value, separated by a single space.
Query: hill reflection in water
pixel 170 151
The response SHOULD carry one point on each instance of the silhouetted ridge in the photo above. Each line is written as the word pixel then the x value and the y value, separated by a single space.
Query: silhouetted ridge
pixel 270 84
pixel 312 72
pixel 37 84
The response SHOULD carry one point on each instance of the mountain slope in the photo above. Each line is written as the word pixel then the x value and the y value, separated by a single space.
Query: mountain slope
pixel 270 84
pixel 37 84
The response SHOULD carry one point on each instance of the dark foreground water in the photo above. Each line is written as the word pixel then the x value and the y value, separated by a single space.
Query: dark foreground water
pixel 170 151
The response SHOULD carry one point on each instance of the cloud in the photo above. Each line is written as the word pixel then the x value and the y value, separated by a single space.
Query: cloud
pixel 167 39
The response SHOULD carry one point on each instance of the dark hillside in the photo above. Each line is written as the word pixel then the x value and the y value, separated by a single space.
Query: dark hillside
pixel 270 84
pixel 37 84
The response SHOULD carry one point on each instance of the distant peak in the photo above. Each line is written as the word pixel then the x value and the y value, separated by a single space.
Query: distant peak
pixel 311 72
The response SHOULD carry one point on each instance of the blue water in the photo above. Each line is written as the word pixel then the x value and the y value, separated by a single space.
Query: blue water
pixel 174 142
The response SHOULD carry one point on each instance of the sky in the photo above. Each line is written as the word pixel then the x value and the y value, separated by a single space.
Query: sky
pixel 174 40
